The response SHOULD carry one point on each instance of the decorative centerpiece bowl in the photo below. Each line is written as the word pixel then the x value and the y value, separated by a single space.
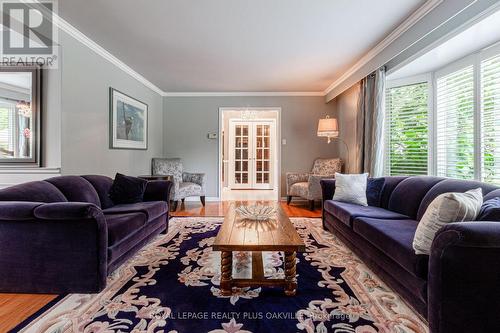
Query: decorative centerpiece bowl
pixel 256 212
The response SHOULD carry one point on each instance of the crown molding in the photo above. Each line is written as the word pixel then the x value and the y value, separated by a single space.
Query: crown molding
pixel 416 16
pixel 244 93
pixel 423 10
pixel 85 40
pixel 91 44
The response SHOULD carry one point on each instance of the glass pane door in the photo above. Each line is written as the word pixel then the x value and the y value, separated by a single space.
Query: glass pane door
pixel 262 155
pixel 251 154
pixel 241 153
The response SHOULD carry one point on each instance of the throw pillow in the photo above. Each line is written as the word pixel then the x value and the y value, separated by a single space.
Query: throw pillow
pixel 446 208
pixel 490 211
pixel 374 188
pixel 351 188
pixel 127 190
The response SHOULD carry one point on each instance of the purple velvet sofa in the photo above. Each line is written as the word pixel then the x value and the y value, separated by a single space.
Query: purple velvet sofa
pixel 64 234
pixel 457 287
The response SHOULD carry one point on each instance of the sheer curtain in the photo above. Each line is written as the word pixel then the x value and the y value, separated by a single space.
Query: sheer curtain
pixel 370 124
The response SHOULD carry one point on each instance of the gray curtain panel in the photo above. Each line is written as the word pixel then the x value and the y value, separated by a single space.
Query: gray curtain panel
pixel 370 123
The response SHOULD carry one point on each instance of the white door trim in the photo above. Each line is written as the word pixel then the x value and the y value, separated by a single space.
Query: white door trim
pixel 277 150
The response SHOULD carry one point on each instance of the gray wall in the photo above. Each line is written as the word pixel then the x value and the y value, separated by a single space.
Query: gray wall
pixel 187 120
pixel 346 106
pixel 86 78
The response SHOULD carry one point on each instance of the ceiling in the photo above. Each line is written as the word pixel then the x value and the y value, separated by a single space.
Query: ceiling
pixel 480 35
pixel 16 79
pixel 238 45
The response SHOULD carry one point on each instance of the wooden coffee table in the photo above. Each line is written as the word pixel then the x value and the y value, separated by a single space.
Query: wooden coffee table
pixel 240 234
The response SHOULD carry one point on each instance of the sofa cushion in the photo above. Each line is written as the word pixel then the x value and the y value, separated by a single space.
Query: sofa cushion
pixel 120 226
pixel 347 212
pixel 76 189
pixel 37 191
pixel 490 210
pixel 152 209
pixel 452 185
pixel 102 185
pixel 408 194
pixel 446 208
pixel 394 238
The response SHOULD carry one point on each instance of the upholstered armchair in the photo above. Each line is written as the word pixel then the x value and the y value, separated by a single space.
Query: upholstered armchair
pixel 307 184
pixel 186 184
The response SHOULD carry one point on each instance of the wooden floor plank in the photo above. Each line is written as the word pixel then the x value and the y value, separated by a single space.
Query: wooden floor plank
pixel 14 308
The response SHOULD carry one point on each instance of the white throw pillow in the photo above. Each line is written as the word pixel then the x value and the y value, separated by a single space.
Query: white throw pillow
pixel 446 208
pixel 351 188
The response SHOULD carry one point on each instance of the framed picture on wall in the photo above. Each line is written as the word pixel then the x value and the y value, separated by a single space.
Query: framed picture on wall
pixel 128 122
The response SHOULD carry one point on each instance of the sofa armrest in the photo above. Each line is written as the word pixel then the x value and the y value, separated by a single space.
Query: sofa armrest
pixel 67 211
pixel 61 248
pixel 158 190
pixel 327 188
pixel 192 177
pixel 17 210
pixel 296 177
pixel 464 278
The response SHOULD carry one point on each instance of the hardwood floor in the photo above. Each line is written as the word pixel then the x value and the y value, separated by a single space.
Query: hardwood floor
pixel 219 208
pixel 14 308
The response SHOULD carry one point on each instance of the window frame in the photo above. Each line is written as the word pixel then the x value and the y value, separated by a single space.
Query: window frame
pixel 407 81
pixel 475 59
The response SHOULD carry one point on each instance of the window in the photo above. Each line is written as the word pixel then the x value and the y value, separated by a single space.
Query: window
pixel 455 124
pixel 407 126
pixel 8 133
pixel 490 120
pixel 463 141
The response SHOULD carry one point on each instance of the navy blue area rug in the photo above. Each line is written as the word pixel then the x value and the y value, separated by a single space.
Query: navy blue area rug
pixel 172 285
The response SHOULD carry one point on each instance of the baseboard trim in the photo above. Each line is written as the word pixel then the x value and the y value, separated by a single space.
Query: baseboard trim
pixel 197 199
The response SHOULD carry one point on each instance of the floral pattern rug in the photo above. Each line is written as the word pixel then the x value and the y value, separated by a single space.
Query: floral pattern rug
pixel 172 285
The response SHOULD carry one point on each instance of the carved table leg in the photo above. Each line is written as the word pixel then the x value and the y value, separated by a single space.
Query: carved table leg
pixel 226 273
pixel 290 274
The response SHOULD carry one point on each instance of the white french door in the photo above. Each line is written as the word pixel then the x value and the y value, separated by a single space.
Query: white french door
pixel 251 154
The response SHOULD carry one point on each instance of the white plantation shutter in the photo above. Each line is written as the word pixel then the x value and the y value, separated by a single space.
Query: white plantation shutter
pixel 407 130
pixel 7 130
pixel 455 124
pixel 490 120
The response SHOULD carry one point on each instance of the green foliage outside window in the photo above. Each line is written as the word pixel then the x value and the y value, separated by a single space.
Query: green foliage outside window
pixel 407 124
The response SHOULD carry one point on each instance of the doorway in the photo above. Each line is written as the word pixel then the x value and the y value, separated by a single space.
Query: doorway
pixel 249 153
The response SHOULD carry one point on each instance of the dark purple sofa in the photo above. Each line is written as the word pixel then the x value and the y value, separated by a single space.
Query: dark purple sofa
pixel 457 287
pixel 64 234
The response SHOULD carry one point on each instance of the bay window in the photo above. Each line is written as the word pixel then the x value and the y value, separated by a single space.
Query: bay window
pixel 448 125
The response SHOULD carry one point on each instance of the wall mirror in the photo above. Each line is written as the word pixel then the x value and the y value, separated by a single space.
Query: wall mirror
pixel 19 116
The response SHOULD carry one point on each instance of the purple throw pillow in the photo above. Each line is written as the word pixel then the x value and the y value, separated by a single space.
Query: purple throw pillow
pixel 490 210
pixel 374 188
pixel 127 190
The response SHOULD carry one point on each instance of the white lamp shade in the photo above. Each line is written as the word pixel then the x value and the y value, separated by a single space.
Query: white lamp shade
pixel 328 127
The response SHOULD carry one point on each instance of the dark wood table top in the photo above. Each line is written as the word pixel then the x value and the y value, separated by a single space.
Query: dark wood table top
pixel 240 234
pixel 156 177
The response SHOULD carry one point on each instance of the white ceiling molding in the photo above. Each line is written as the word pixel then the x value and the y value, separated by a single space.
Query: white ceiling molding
pixel 243 93
pixel 82 38
pixel 401 29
